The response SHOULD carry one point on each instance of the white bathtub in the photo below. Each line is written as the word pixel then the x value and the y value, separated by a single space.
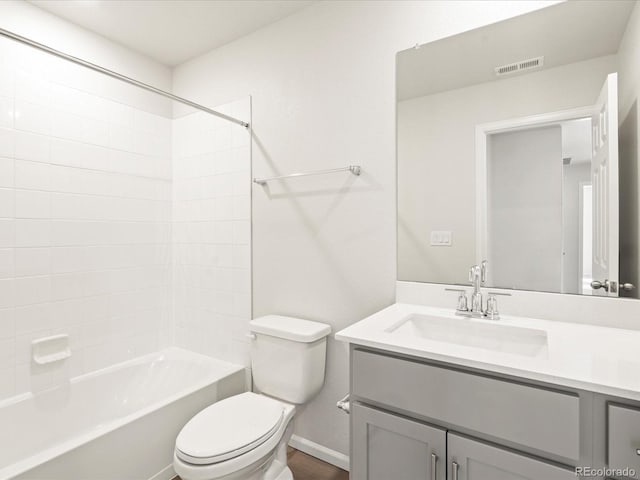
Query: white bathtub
pixel 119 423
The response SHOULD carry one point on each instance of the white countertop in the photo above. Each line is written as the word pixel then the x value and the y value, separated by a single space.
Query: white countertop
pixel 599 359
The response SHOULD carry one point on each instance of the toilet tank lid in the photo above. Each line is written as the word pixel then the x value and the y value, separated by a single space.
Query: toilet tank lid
pixel 290 328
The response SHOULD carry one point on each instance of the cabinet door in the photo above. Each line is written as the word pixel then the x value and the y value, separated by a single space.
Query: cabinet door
pixel 386 446
pixel 624 438
pixel 472 460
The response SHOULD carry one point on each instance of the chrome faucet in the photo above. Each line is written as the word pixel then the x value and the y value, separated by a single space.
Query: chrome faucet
pixel 477 277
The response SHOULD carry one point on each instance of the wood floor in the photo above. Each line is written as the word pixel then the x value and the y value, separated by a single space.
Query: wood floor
pixel 306 467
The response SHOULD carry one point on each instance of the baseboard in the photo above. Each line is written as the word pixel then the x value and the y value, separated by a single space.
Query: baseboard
pixel 325 454
pixel 166 473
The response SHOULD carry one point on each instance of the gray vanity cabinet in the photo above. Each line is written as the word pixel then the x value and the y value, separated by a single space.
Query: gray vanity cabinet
pixel 407 412
pixel 391 447
pixel 469 459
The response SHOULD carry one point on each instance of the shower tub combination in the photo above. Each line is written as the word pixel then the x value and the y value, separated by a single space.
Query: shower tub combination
pixel 120 422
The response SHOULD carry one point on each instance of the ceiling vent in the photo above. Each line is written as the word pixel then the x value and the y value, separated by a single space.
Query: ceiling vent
pixel 521 66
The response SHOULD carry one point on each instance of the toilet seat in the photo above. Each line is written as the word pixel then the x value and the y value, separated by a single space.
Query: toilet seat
pixel 229 428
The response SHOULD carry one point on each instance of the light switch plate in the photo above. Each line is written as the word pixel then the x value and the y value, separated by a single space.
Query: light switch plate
pixel 441 238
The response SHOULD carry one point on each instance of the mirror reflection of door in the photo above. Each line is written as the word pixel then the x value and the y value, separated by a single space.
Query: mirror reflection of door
pixel 544 174
pixel 604 178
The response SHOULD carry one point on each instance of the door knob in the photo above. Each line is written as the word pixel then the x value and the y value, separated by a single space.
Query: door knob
pixel 627 287
pixel 597 285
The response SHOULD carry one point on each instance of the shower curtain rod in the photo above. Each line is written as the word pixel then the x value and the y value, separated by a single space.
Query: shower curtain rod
pixel 111 73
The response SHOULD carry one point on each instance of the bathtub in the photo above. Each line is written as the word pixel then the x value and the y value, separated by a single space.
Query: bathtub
pixel 119 423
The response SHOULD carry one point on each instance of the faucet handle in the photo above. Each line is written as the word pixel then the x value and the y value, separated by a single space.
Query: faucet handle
pixel 462 299
pixel 462 302
pixel 492 307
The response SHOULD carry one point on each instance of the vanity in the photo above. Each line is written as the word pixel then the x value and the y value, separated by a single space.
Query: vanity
pixel 517 166
pixel 514 399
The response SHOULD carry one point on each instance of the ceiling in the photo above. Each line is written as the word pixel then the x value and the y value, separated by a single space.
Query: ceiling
pixel 564 33
pixel 172 31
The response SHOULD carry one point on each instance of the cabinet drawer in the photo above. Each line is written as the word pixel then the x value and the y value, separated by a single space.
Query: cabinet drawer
pixel 624 438
pixel 544 420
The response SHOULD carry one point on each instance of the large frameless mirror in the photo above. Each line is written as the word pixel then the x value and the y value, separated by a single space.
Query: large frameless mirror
pixel 517 145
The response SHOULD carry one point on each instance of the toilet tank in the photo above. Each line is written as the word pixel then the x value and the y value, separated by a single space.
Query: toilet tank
pixel 288 357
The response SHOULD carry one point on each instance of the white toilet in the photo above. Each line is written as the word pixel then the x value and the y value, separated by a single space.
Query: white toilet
pixel 245 437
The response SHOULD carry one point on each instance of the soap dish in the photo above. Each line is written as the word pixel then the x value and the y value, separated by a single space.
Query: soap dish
pixel 50 349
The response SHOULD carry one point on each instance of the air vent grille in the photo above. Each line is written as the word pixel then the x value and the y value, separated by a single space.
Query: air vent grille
pixel 520 66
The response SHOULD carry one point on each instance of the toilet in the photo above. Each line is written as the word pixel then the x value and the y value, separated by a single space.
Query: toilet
pixel 245 436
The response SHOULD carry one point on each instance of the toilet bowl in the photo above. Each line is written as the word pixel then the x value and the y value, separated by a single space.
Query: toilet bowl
pixel 245 437
pixel 234 438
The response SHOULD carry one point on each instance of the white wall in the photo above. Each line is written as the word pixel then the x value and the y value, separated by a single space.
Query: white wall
pixel 212 233
pixel 323 96
pixel 84 219
pixel 436 158
pixel 629 133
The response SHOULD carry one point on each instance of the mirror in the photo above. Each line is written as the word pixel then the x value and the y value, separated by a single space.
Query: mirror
pixel 518 145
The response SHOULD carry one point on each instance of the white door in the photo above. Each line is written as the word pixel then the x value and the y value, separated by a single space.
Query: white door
pixel 604 178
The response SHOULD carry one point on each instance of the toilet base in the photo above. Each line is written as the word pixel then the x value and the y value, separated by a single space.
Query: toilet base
pixel 277 471
pixel 286 474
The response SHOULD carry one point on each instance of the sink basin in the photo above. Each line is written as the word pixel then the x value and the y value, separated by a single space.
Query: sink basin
pixel 473 333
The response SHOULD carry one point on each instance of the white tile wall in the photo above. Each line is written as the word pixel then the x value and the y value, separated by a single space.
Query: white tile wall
pixel 119 226
pixel 212 233
pixel 85 219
